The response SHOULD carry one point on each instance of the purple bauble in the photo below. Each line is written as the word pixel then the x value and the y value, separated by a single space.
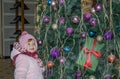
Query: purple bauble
pixel 61 2
pixel 69 31
pixel 98 7
pixel 78 75
pixel 108 35
pixel 93 21
pixel 55 52
pixel 46 19
pixel 75 19
pixel 61 20
pixel 108 76
pixel 87 16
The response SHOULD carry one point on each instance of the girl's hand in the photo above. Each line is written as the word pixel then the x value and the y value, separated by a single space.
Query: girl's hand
pixel 40 62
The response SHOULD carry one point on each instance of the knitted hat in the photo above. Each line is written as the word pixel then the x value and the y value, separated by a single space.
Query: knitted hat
pixel 25 36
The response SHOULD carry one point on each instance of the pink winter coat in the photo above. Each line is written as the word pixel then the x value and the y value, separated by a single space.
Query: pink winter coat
pixel 26 67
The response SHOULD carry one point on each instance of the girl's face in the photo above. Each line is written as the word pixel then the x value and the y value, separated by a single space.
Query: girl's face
pixel 30 46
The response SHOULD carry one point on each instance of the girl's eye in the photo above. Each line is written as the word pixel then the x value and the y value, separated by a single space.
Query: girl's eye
pixel 33 43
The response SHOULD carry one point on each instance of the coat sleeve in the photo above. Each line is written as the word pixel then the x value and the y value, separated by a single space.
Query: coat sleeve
pixel 22 66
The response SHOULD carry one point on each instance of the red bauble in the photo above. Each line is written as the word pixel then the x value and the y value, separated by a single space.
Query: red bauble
pixel 111 58
pixel 50 64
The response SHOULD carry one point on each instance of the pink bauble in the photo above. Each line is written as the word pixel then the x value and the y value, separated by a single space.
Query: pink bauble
pixel 98 7
pixel 61 20
pixel 93 10
pixel 93 21
pixel 87 16
pixel 62 60
pixel 75 19
pixel 40 42
pixel 53 3
pixel 69 31
pixel 83 34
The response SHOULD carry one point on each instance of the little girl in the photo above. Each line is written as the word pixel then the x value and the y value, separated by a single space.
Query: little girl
pixel 25 58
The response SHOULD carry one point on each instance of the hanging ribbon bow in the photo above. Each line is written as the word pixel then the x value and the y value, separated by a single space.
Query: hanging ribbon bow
pixel 88 63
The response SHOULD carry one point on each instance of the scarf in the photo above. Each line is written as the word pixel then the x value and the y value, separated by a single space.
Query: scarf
pixel 33 55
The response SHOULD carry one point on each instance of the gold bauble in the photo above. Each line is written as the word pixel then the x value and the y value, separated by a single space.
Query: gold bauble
pixel 99 38
pixel 54 26
pixel 92 77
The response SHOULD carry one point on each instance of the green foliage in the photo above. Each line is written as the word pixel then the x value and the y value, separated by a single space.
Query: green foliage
pixel 59 38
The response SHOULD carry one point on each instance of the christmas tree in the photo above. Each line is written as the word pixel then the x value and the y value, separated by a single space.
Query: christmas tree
pixel 79 39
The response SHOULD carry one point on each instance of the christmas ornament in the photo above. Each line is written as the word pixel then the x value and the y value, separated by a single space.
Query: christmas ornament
pixel 78 74
pixel 62 60
pixel 92 77
pixel 66 49
pixel 108 35
pixel 93 10
pixel 87 16
pixel 89 55
pixel 61 2
pixel 107 76
pixel 75 19
pixel 39 42
pixel 83 35
pixel 55 52
pixel 50 64
pixel 61 20
pixel 99 38
pixel 111 58
pixel 91 33
pixel 46 19
pixel 54 26
pixel 93 21
pixel 69 30
pixel 49 2
pixel 53 3
pixel 98 7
